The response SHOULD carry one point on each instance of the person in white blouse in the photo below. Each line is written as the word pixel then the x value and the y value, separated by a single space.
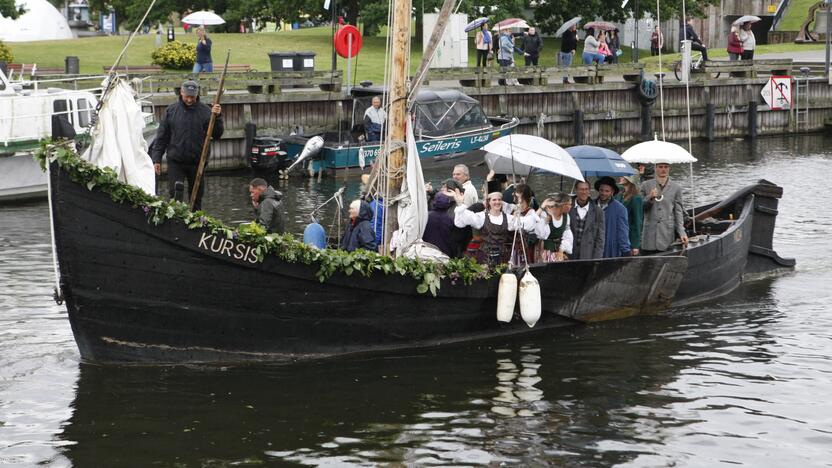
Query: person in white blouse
pixel 523 218
pixel 492 224
pixel 553 229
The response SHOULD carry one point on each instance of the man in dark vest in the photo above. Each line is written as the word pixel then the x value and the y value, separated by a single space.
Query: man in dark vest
pixel 586 221
pixel 181 135
pixel 617 226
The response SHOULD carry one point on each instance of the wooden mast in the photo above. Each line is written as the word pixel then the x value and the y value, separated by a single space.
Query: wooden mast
pixel 397 116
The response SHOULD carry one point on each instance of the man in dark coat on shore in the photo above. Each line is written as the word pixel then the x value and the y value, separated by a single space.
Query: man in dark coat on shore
pixel 181 135
pixel 586 220
pixel 616 223
pixel 532 46
pixel 267 206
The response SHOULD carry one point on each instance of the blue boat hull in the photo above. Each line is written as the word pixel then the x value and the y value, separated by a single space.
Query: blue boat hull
pixel 335 156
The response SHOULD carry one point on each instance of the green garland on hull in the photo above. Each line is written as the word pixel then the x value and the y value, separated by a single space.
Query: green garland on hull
pixel 285 247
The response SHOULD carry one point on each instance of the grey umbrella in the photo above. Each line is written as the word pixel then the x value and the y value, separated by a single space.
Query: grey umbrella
pixel 476 24
pixel 746 19
pixel 562 29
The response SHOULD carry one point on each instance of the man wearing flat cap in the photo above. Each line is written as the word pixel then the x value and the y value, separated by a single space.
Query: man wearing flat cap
pixel 181 135
pixel 617 236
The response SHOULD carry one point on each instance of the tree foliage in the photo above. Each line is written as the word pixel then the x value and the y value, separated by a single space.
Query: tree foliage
pixel 9 10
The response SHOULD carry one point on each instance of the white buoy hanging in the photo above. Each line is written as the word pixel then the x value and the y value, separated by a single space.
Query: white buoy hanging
pixel 530 303
pixel 506 297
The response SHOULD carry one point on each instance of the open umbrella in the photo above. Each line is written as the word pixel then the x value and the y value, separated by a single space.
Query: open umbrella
pixel 657 152
pixel 520 154
pixel 600 25
pixel 595 161
pixel 746 19
pixel 203 18
pixel 511 23
pixel 562 29
pixel 476 24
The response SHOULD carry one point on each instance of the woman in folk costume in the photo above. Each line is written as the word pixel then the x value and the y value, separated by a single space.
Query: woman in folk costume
pixel 523 219
pixel 493 227
pixel 553 229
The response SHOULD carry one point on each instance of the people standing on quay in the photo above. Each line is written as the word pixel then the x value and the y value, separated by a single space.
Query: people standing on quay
pixel 603 47
pixel 374 119
pixel 568 46
pixel 616 224
pixel 749 42
pixel 203 61
pixel 181 135
pixel 268 208
pixel 630 197
pixel 663 212
pixel 656 41
pixel 591 53
pixel 532 46
pixel 483 44
pixel 614 44
pixel 586 220
pixel 505 57
pixel 734 44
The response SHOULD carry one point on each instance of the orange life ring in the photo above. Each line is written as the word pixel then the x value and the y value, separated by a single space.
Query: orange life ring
pixel 342 39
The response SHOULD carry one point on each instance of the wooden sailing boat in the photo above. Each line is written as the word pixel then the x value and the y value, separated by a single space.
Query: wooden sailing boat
pixel 147 281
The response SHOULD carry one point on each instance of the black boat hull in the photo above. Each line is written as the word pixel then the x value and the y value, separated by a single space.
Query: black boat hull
pixel 137 292
pixel 742 249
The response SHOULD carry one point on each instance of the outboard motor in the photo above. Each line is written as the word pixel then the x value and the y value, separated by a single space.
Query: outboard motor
pixel 267 156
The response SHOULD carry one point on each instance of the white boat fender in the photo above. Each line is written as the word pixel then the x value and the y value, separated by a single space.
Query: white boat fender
pixel 506 297
pixel 530 303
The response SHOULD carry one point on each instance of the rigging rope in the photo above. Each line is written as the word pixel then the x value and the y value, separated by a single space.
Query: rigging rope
pixel 690 138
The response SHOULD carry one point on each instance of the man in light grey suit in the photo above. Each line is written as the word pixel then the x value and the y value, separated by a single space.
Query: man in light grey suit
pixel 586 220
pixel 664 213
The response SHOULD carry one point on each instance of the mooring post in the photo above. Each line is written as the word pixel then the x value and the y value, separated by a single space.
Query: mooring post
pixel 710 117
pixel 646 121
pixel 752 119
pixel 578 121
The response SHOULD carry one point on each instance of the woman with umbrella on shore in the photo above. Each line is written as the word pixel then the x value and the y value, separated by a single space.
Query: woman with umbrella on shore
pixel 482 41
pixel 749 42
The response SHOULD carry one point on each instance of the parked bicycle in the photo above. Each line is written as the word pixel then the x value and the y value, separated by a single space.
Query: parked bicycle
pixel 696 65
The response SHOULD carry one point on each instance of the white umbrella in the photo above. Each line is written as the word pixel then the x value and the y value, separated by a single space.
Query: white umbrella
pixel 203 18
pixel 657 152
pixel 746 19
pixel 562 29
pixel 520 154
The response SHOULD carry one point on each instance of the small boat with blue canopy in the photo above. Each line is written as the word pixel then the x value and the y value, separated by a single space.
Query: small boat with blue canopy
pixel 448 124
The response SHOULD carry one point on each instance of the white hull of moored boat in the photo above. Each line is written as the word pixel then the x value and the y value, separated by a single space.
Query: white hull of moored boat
pixel 21 178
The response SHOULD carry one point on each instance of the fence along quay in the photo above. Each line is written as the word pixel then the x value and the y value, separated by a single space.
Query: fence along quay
pixel 599 109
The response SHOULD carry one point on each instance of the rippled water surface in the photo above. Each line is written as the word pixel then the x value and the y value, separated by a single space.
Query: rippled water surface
pixel 743 380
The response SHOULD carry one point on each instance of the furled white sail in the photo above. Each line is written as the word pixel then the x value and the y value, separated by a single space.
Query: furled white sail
pixel 412 202
pixel 118 142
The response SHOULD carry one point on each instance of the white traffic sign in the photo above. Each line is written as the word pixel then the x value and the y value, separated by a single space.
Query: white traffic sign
pixel 778 92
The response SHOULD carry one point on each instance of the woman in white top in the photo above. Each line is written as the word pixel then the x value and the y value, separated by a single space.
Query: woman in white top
pixel 591 49
pixel 749 43
pixel 492 224
pixel 553 229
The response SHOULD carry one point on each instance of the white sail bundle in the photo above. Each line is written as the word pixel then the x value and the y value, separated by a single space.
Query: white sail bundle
pixel 118 141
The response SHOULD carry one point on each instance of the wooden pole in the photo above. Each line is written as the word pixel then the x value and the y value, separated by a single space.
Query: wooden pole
pixel 398 111
pixel 207 143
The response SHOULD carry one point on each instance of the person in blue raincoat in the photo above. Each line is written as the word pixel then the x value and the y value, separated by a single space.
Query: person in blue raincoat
pixel 359 232
pixel 617 236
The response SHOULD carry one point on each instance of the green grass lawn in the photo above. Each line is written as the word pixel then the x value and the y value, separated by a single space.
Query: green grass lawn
pixel 795 15
pixel 96 53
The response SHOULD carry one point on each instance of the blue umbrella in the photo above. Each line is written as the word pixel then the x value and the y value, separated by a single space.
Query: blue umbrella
pixel 476 24
pixel 595 161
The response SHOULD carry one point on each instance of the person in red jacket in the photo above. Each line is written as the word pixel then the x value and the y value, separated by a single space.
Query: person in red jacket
pixel 734 43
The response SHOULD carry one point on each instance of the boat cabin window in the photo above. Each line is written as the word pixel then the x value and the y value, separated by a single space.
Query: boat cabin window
pixel 63 107
pixel 84 111
pixel 439 118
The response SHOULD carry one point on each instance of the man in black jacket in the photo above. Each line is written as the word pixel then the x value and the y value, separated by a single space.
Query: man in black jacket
pixel 181 135
pixel 532 45
pixel 695 41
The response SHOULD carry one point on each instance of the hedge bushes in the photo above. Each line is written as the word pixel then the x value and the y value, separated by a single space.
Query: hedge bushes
pixel 6 54
pixel 176 55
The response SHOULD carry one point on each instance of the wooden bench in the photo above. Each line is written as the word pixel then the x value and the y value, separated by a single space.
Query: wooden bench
pixel 147 69
pixel 578 73
pixel 33 69
pixel 772 67
pixel 467 77
pixel 253 82
pixel 814 68
pixel 732 68
pixel 629 71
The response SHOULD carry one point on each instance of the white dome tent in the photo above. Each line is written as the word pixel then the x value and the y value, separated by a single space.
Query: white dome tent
pixel 40 22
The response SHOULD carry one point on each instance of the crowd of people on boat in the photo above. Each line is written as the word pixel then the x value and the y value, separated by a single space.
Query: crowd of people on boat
pixel 506 222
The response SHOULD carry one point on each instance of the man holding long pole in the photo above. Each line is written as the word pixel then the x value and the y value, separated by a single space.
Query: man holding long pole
pixel 181 135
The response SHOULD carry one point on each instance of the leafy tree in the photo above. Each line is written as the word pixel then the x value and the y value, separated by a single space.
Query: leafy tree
pixel 9 10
